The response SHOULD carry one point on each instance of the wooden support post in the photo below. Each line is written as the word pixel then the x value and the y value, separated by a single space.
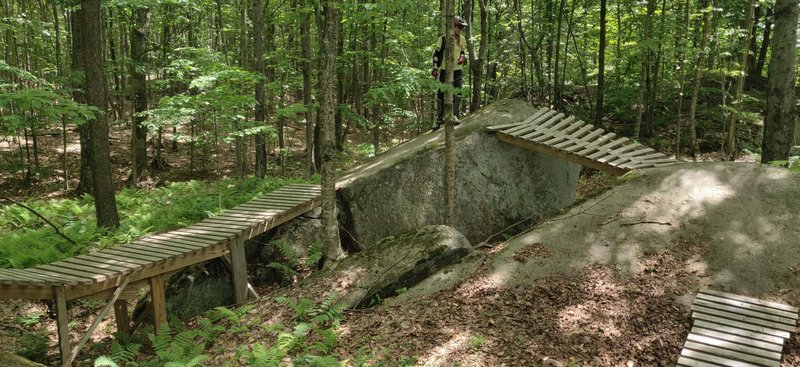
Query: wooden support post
pixel 239 263
pixel 250 289
pixel 159 302
pixel 62 321
pixel 121 315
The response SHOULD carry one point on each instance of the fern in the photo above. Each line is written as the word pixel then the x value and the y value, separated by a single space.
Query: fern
pixel 283 269
pixel 261 356
pixel 105 361
pixel 314 254
pixel 289 254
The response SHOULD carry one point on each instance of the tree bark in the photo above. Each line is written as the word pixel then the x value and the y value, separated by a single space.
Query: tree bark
pixel 681 66
pixel 305 45
pixel 332 248
pixel 601 67
pixel 259 67
pixel 139 34
pixel 704 6
pixel 449 176
pixel 96 95
pixel 779 124
pixel 730 140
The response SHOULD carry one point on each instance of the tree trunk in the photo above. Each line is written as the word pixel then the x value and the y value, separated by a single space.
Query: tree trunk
pixel 332 248
pixel 762 53
pixel 557 102
pixel 60 71
pixel 601 67
pixel 96 95
pixel 779 124
pixel 681 63
pixel 450 151
pixel 705 7
pixel 259 67
pixel 85 184
pixel 305 45
pixel 644 83
pixel 139 34
pixel 730 140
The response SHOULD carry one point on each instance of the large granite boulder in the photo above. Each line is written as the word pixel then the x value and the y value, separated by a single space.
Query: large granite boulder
pixel 398 263
pixel 497 184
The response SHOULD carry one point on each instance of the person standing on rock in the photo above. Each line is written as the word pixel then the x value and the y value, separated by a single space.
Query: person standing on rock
pixel 438 70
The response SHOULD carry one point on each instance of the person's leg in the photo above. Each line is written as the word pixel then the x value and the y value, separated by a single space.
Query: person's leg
pixel 439 103
pixel 457 83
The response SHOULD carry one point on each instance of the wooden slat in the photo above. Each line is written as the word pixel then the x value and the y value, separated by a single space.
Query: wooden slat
pixel 150 257
pixel 132 247
pixel 103 263
pixel 545 132
pixel 506 126
pixel 117 258
pixel 560 154
pixel 56 277
pixel 751 300
pixel 789 322
pixel 748 306
pixel 151 243
pixel 219 236
pixel 767 338
pixel 742 325
pixel 688 362
pixel 605 148
pixel 530 122
pixel 105 268
pixel 756 343
pixel 199 240
pixel 214 223
pixel 184 244
pixel 76 275
pixel 739 348
pixel 731 355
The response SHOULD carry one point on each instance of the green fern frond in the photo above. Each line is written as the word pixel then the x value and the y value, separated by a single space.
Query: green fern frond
pixel 105 361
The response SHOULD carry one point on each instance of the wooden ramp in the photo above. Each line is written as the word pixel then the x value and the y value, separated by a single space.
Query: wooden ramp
pixel 117 273
pixel 736 331
pixel 552 133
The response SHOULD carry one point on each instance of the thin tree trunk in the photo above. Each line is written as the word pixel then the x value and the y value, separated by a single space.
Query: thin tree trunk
pixel 779 124
pixel 645 67
pixel 332 248
pixel 730 140
pixel 139 34
pixel 704 6
pixel 450 151
pixel 557 102
pixel 96 95
pixel 259 67
pixel 762 53
pixel 601 67
pixel 682 72
pixel 60 71
pixel 85 184
pixel 305 44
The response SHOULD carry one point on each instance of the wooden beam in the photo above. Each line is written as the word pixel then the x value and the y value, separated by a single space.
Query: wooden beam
pixel 122 317
pixel 62 322
pixel 96 322
pixel 250 290
pixel 239 264
pixel 571 157
pixel 159 302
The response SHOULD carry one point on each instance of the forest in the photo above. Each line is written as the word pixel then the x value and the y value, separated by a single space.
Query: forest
pixel 109 106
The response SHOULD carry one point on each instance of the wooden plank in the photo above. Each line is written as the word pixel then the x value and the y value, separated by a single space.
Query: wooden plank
pixel 122 317
pixel 688 362
pixel 751 300
pixel 742 318
pixel 57 277
pixel 158 303
pixel 772 339
pixel 151 257
pixel 741 325
pixel 229 264
pixel 117 258
pixel 531 122
pixel 719 361
pixel 560 154
pixel 95 272
pixel 205 234
pixel 774 347
pixel 730 354
pixel 745 305
pixel 505 126
pixel 292 191
pixel 131 247
pixel 746 312
pixel 589 145
pixel 543 132
pixel 155 244
pixel 76 275
pixel 169 236
pixel 185 245
pixel 208 225
pixel 62 322
pixel 239 263
pixel 19 276
pixel 102 263
pixel 739 348
pixel 17 291
pixel 604 149
pixel 273 203
pixel 98 268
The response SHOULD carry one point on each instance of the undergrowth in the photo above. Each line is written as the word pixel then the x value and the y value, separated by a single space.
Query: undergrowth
pixel 26 240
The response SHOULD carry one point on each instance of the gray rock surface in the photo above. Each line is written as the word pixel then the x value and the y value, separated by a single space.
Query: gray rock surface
pixel 396 265
pixel 497 184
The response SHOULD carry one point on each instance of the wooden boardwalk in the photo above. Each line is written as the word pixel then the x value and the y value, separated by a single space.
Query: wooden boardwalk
pixel 117 273
pixel 552 133
pixel 736 331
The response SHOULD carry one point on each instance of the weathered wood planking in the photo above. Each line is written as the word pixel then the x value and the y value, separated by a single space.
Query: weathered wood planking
pixel 736 331
pixel 555 134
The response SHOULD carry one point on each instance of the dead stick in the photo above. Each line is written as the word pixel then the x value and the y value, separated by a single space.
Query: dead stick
pixel 646 222
pixel 58 231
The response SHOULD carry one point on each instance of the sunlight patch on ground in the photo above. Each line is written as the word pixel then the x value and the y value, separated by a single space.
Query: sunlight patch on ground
pixel 701 189
pixel 445 354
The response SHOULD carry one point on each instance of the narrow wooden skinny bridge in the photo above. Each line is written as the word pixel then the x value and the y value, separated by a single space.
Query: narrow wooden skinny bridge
pixel 555 134
pixel 116 274
pixel 736 331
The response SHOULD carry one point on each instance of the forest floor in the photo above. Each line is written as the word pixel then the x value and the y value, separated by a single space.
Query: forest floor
pixel 607 283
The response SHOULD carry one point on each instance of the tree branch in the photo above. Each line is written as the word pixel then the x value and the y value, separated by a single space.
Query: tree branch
pixel 58 231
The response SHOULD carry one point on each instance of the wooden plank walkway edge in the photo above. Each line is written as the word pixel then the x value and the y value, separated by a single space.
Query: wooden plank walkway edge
pixel 737 331
pixel 114 274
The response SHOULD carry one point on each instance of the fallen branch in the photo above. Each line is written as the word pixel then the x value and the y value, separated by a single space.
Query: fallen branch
pixel 646 222
pixel 58 231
